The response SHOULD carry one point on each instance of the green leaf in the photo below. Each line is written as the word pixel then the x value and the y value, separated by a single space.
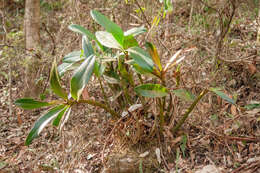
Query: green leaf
pixel 135 31
pixel 107 39
pixel 42 122
pixel 99 69
pixel 87 47
pixel 110 26
pixel 81 30
pixel 130 41
pixel 222 95
pixel 81 77
pixel 74 56
pixel 168 7
pixel 184 94
pixel 153 52
pixel 252 106
pixel 111 80
pixel 151 90
pixel 28 103
pixel 142 58
pixel 56 121
pixel 55 82
pixel 62 68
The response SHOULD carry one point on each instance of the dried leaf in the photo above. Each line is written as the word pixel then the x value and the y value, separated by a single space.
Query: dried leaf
pixel 252 68
pixel 233 110
pixel 158 155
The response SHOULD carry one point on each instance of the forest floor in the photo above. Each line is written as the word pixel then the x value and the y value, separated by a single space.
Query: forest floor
pixel 226 140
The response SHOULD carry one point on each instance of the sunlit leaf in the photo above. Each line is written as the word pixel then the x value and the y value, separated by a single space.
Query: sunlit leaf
pixel 222 95
pixel 110 26
pixel 184 94
pixel 153 52
pixel 151 90
pixel 142 58
pixel 28 103
pixel 135 31
pixel 172 59
pixel 81 77
pixel 74 56
pixel 107 39
pixel 55 82
pixel 42 122
pixel 62 68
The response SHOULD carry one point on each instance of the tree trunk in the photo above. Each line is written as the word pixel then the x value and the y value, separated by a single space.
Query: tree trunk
pixel 32 42
pixel 258 33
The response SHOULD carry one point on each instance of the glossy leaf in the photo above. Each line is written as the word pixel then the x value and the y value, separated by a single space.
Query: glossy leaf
pixel 153 52
pixel 184 94
pixel 110 26
pixel 74 56
pixel 81 77
pixel 65 118
pixel 130 41
pixel 151 90
pixel 42 122
pixel 222 95
pixel 28 103
pixel 142 58
pixel 57 120
pixel 135 31
pixel 81 30
pixel 87 47
pixel 55 82
pixel 107 39
pixel 62 68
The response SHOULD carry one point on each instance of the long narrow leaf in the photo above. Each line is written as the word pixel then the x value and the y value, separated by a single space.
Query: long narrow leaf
pixel 42 122
pixel 65 118
pixel 81 77
pixel 87 47
pixel 222 95
pixel 184 94
pixel 28 103
pixel 74 56
pixel 110 26
pixel 135 31
pixel 142 58
pixel 62 68
pixel 56 121
pixel 151 90
pixel 81 30
pixel 55 82
pixel 153 52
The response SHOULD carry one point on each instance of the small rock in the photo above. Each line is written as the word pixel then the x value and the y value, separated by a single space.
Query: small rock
pixel 208 169
pixel 232 83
